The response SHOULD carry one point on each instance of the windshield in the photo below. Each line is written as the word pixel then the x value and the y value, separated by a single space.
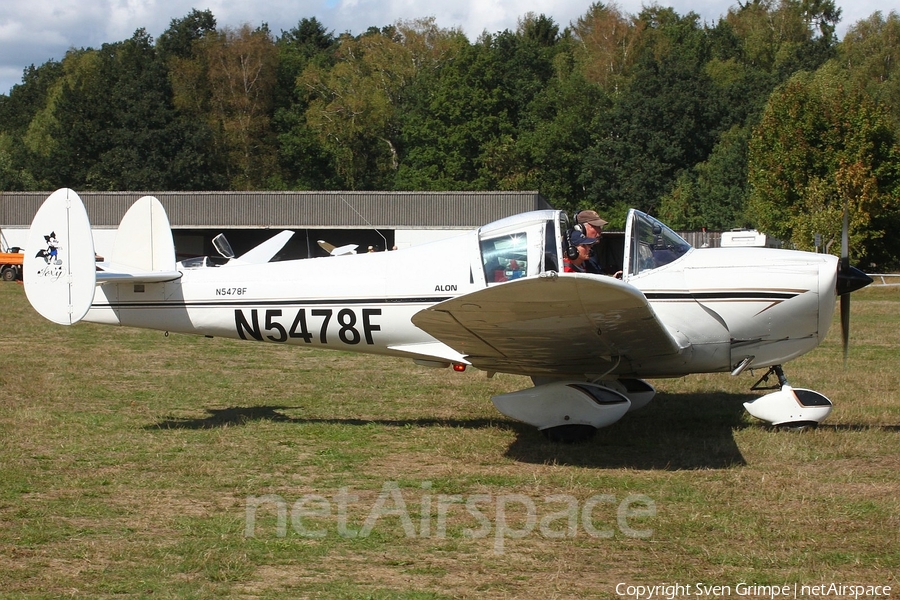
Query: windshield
pixel 522 245
pixel 505 257
pixel 653 244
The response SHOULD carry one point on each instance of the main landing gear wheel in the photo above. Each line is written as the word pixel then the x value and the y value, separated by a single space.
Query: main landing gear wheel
pixel 789 408
pixel 569 434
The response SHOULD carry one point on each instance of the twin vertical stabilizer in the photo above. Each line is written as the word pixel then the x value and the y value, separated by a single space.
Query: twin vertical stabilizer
pixel 60 268
pixel 144 239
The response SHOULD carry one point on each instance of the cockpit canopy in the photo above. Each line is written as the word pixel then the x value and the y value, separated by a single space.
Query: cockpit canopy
pixel 532 243
pixel 520 246
pixel 650 244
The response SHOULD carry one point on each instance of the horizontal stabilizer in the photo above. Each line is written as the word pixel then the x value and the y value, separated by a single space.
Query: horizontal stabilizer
pixel 120 275
pixel 59 268
pixel 344 250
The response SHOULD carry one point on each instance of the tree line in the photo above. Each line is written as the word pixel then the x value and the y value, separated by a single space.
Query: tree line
pixel 762 118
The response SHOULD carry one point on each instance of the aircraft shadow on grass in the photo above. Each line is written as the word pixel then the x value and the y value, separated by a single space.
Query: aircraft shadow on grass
pixel 675 432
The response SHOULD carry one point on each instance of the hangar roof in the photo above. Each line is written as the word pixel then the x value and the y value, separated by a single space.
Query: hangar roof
pixel 293 210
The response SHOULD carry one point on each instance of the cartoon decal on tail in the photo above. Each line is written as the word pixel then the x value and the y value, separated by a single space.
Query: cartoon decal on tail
pixel 50 254
pixel 58 267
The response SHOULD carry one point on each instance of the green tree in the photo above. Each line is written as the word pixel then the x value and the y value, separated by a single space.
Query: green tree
pixel 665 121
pixel 241 66
pixel 149 147
pixel 822 145
pixel 784 36
pixel 355 106
pixel 540 29
pixel 303 162
pixel 553 136
pixel 178 40
pixel 752 50
pixel 108 123
pixel 606 45
pixel 461 129
pixel 352 106
pixel 308 42
pixel 17 111
pixel 713 194
pixel 450 113
pixel 870 52
pixel 70 132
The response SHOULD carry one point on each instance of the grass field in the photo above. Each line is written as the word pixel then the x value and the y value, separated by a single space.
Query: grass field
pixel 142 465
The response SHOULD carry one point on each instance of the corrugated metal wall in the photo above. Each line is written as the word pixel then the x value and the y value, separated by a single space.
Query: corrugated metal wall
pixel 293 210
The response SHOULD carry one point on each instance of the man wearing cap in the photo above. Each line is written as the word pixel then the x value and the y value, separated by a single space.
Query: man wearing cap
pixel 584 244
pixel 592 225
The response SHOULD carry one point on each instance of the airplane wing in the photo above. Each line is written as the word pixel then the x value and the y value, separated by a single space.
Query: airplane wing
pixel 264 252
pixel 551 325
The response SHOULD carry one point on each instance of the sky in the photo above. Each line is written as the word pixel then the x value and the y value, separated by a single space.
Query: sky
pixel 35 31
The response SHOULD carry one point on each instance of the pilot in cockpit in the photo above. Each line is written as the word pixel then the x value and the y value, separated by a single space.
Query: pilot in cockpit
pixel 582 245
pixel 592 225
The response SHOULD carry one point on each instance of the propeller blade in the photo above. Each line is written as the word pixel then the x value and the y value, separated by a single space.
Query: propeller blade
pixel 849 279
pixel 844 264
pixel 845 240
pixel 843 268
pixel 845 323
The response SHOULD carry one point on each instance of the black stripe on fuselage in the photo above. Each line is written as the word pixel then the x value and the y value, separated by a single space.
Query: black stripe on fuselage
pixel 722 296
pixel 251 303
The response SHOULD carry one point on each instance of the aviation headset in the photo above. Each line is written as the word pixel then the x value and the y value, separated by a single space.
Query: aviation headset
pixel 578 225
pixel 571 249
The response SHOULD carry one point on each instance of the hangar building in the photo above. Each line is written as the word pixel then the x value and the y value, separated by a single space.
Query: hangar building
pixel 382 220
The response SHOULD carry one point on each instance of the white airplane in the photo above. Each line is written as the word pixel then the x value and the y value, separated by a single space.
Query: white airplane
pixel 495 298
pixel 333 250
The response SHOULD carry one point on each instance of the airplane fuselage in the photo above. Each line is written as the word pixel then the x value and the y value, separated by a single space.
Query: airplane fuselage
pixel 498 298
pixel 361 302
pixel 725 305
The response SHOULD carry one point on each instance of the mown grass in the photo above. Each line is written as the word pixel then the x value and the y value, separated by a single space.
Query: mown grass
pixel 128 460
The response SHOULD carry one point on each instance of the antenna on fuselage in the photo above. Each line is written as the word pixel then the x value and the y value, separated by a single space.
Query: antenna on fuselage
pixel 360 215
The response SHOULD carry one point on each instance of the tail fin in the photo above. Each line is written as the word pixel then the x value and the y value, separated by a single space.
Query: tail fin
pixel 144 239
pixel 59 267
